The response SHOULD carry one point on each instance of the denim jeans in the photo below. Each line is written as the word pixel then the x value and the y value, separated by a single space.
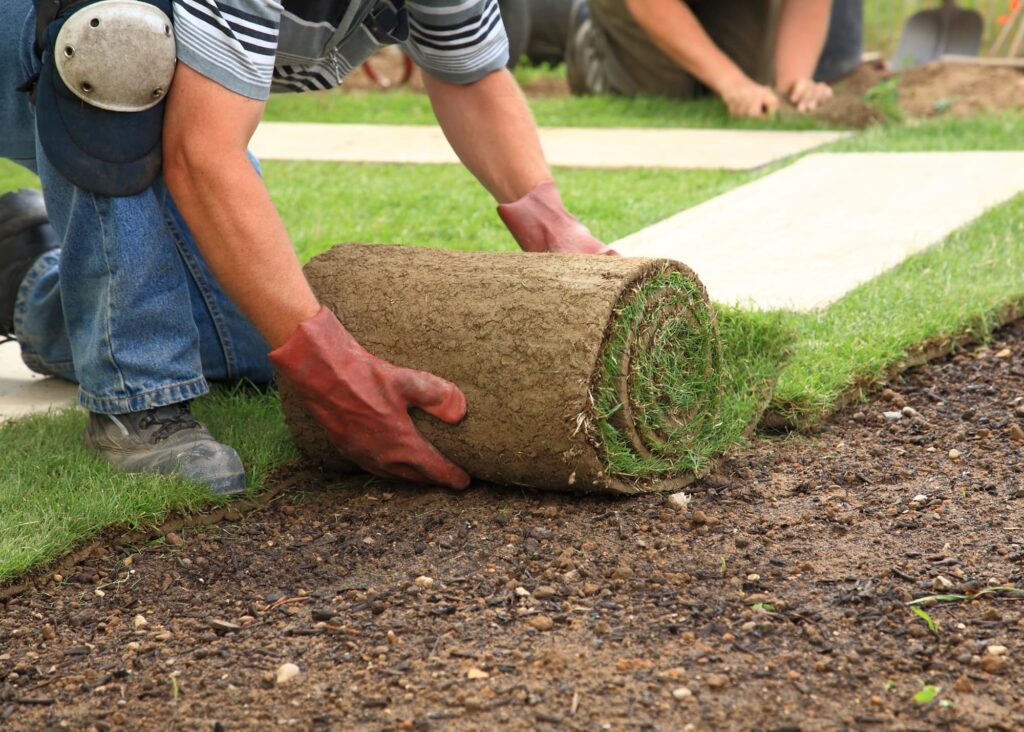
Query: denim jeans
pixel 127 308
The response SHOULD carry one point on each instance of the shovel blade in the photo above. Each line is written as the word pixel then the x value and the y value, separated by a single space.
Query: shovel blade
pixel 929 34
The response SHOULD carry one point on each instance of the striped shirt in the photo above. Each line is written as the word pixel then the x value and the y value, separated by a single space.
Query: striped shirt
pixel 255 47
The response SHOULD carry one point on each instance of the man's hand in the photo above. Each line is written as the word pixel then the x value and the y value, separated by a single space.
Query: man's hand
pixel 807 95
pixel 363 402
pixel 540 223
pixel 747 98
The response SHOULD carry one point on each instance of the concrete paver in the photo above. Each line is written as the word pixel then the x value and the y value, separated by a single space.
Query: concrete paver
pixel 805 235
pixel 563 146
pixel 23 392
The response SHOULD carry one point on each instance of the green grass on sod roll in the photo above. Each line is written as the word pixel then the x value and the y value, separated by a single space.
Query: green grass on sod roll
pixel 696 390
pixel 674 384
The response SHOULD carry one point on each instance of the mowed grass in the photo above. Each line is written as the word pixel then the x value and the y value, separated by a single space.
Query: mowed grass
pixel 405 107
pixel 53 495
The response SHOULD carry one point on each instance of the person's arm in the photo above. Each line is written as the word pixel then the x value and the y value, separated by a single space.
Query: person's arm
pixel 803 27
pixel 362 401
pixel 227 206
pixel 675 30
pixel 491 129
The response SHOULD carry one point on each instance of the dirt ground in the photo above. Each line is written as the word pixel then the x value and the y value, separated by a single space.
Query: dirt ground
pixel 871 93
pixel 776 601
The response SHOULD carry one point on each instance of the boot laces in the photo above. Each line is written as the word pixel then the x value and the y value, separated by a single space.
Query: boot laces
pixel 171 419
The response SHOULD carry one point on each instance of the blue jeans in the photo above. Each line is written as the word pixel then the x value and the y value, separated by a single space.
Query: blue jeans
pixel 127 308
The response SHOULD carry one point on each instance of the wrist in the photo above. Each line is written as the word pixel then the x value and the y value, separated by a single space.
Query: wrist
pixel 729 78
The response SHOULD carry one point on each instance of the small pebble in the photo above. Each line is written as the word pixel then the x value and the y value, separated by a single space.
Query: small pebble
pixel 476 674
pixel 997 650
pixel 954 454
pixel 425 582
pixel 717 681
pixel 173 539
pixel 680 501
pixel 1016 432
pixel 286 672
pixel 893 416
pixel 994 664
pixel 139 622
pixel 682 693
pixel 541 622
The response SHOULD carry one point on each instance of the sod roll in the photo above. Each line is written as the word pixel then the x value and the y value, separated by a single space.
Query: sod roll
pixel 581 373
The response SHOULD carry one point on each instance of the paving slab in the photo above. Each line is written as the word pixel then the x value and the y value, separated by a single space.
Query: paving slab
pixel 23 392
pixel 564 146
pixel 802 237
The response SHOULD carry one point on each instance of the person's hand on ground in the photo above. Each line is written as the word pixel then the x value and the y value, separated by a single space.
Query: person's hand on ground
pixel 540 223
pixel 807 95
pixel 363 402
pixel 747 98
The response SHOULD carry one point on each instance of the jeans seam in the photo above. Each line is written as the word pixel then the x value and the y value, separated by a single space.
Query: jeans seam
pixel 106 298
pixel 216 316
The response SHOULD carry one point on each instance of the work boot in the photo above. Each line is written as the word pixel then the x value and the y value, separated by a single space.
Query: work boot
pixel 25 235
pixel 166 440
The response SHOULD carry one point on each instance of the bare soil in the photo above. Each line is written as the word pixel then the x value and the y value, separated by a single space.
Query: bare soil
pixel 776 601
pixel 938 89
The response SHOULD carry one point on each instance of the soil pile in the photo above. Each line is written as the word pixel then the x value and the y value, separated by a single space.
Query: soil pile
pixel 873 94
pixel 582 373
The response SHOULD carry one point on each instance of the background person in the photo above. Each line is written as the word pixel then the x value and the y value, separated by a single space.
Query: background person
pixel 750 53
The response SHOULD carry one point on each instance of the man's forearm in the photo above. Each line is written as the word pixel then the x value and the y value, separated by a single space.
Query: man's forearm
pixel 803 26
pixel 491 129
pixel 243 240
pixel 227 207
pixel 676 31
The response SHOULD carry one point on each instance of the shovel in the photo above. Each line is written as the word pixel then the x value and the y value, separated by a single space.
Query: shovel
pixel 929 34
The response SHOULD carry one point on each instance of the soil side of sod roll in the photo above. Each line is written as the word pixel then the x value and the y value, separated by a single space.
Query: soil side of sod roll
pixel 581 373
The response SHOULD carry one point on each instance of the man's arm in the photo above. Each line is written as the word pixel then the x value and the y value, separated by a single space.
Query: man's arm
pixel 491 129
pixel 361 401
pixel 227 207
pixel 803 26
pixel 675 30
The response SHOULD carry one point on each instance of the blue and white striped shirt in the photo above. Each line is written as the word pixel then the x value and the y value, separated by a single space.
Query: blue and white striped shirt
pixel 254 47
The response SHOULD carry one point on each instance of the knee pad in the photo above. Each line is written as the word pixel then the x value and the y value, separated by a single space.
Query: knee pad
pixel 106 69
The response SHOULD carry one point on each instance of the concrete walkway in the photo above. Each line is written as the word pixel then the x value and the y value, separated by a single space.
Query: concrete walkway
pixel 566 147
pixel 24 392
pixel 805 235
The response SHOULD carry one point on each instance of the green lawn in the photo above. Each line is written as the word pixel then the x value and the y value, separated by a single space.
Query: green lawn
pixel 53 495
pixel 401 106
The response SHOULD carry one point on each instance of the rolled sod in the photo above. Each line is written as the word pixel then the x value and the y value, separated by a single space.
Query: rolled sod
pixel 581 373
